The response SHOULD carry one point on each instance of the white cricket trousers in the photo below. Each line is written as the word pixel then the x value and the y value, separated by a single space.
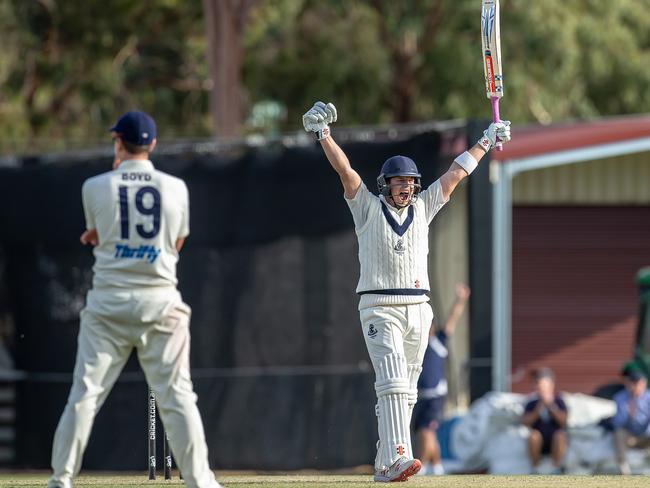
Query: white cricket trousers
pixel 396 337
pixel 401 329
pixel 163 348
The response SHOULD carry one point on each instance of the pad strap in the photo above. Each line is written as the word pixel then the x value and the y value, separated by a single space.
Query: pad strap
pixel 414 375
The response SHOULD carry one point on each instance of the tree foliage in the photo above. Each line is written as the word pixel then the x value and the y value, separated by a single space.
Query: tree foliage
pixel 562 60
pixel 71 66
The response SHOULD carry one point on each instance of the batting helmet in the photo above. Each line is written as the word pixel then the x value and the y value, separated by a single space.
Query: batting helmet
pixel 398 166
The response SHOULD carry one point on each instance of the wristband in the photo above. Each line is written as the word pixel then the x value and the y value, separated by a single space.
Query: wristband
pixel 467 162
pixel 323 133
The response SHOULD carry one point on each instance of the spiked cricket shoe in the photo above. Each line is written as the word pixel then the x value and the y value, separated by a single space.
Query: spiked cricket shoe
pixel 400 470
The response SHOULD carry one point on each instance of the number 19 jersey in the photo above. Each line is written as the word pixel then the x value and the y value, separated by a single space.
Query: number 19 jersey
pixel 138 213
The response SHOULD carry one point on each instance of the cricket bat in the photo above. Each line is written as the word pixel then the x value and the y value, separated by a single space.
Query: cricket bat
pixel 491 43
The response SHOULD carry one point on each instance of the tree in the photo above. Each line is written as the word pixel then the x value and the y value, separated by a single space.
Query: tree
pixel 407 31
pixel 225 24
pixel 70 67
pixel 301 50
pixel 383 61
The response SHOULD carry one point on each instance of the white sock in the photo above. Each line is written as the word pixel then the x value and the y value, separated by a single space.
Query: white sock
pixel 438 469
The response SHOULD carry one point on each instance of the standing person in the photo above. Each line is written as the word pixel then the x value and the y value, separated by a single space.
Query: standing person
pixel 432 387
pixel 546 415
pixel 631 422
pixel 137 219
pixel 392 230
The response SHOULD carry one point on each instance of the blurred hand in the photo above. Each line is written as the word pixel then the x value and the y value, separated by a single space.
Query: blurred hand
pixel 89 237
pixel 631 408
pixel 462 291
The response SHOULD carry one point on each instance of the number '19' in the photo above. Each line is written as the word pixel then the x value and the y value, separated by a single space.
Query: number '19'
pixel 153 210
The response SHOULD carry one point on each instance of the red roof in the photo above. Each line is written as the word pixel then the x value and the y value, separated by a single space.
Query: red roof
pixel 533 140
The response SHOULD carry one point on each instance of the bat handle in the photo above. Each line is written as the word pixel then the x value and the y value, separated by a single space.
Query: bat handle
pixel 496 118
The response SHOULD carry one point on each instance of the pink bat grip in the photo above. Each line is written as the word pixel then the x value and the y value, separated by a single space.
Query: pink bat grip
pixel 496 118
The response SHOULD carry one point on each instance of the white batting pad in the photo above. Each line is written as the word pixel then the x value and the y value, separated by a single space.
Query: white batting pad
pixel 392 375
pixel 392 387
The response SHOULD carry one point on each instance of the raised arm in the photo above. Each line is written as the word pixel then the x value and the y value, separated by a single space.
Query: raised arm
pixel 317 120
pixel 465 163
pixel 462 294
pixel 349 178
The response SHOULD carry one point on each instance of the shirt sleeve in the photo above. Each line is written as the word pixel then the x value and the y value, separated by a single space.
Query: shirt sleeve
pixel 433 199
pixel 561 404
pixel 85 199
pixel 639 422
pixel 360 206
pixel 530 406
pixel 621 417
pixel 442 337
pixel 185 216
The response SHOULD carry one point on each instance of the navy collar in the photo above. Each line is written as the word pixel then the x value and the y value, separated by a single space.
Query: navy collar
pixel 399 229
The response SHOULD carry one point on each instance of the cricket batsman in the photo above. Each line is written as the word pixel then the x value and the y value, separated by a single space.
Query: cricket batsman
pixel 392 231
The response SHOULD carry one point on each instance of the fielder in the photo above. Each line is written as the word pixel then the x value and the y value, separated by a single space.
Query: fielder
pixel 392 230
pixel 137 219
pixel 432 387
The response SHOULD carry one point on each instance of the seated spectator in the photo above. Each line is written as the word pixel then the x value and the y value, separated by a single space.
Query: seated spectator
pixel 546 415
pixel 631 422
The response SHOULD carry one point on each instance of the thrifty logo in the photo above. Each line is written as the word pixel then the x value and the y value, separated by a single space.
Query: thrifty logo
pixel 148 253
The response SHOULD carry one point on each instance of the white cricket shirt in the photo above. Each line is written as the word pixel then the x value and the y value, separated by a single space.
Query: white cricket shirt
pixel 394 246
pixel 139 213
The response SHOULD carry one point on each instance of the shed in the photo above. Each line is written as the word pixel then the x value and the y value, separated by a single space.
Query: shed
pixel 570 230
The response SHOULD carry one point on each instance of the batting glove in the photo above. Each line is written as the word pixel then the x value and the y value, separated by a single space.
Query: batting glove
pixel 496 132
pixel 318 118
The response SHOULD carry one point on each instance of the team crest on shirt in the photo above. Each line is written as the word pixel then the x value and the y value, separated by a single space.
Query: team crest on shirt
pixel 372 332
pixel 399 247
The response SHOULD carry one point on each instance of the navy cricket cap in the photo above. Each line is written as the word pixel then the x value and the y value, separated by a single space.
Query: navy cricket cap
pixel 632 372
pixel 136 127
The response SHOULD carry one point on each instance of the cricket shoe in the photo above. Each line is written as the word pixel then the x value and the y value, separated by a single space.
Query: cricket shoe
pixel 67 483
pixel 400 470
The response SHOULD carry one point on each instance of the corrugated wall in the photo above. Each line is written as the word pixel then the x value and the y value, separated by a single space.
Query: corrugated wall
pixel 580 234
pixel 623 180
pixel 575 300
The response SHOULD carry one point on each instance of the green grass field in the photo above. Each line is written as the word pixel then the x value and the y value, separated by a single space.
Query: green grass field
pixel 329 481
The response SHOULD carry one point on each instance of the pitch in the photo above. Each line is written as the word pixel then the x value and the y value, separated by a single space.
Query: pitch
pixel 19 479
